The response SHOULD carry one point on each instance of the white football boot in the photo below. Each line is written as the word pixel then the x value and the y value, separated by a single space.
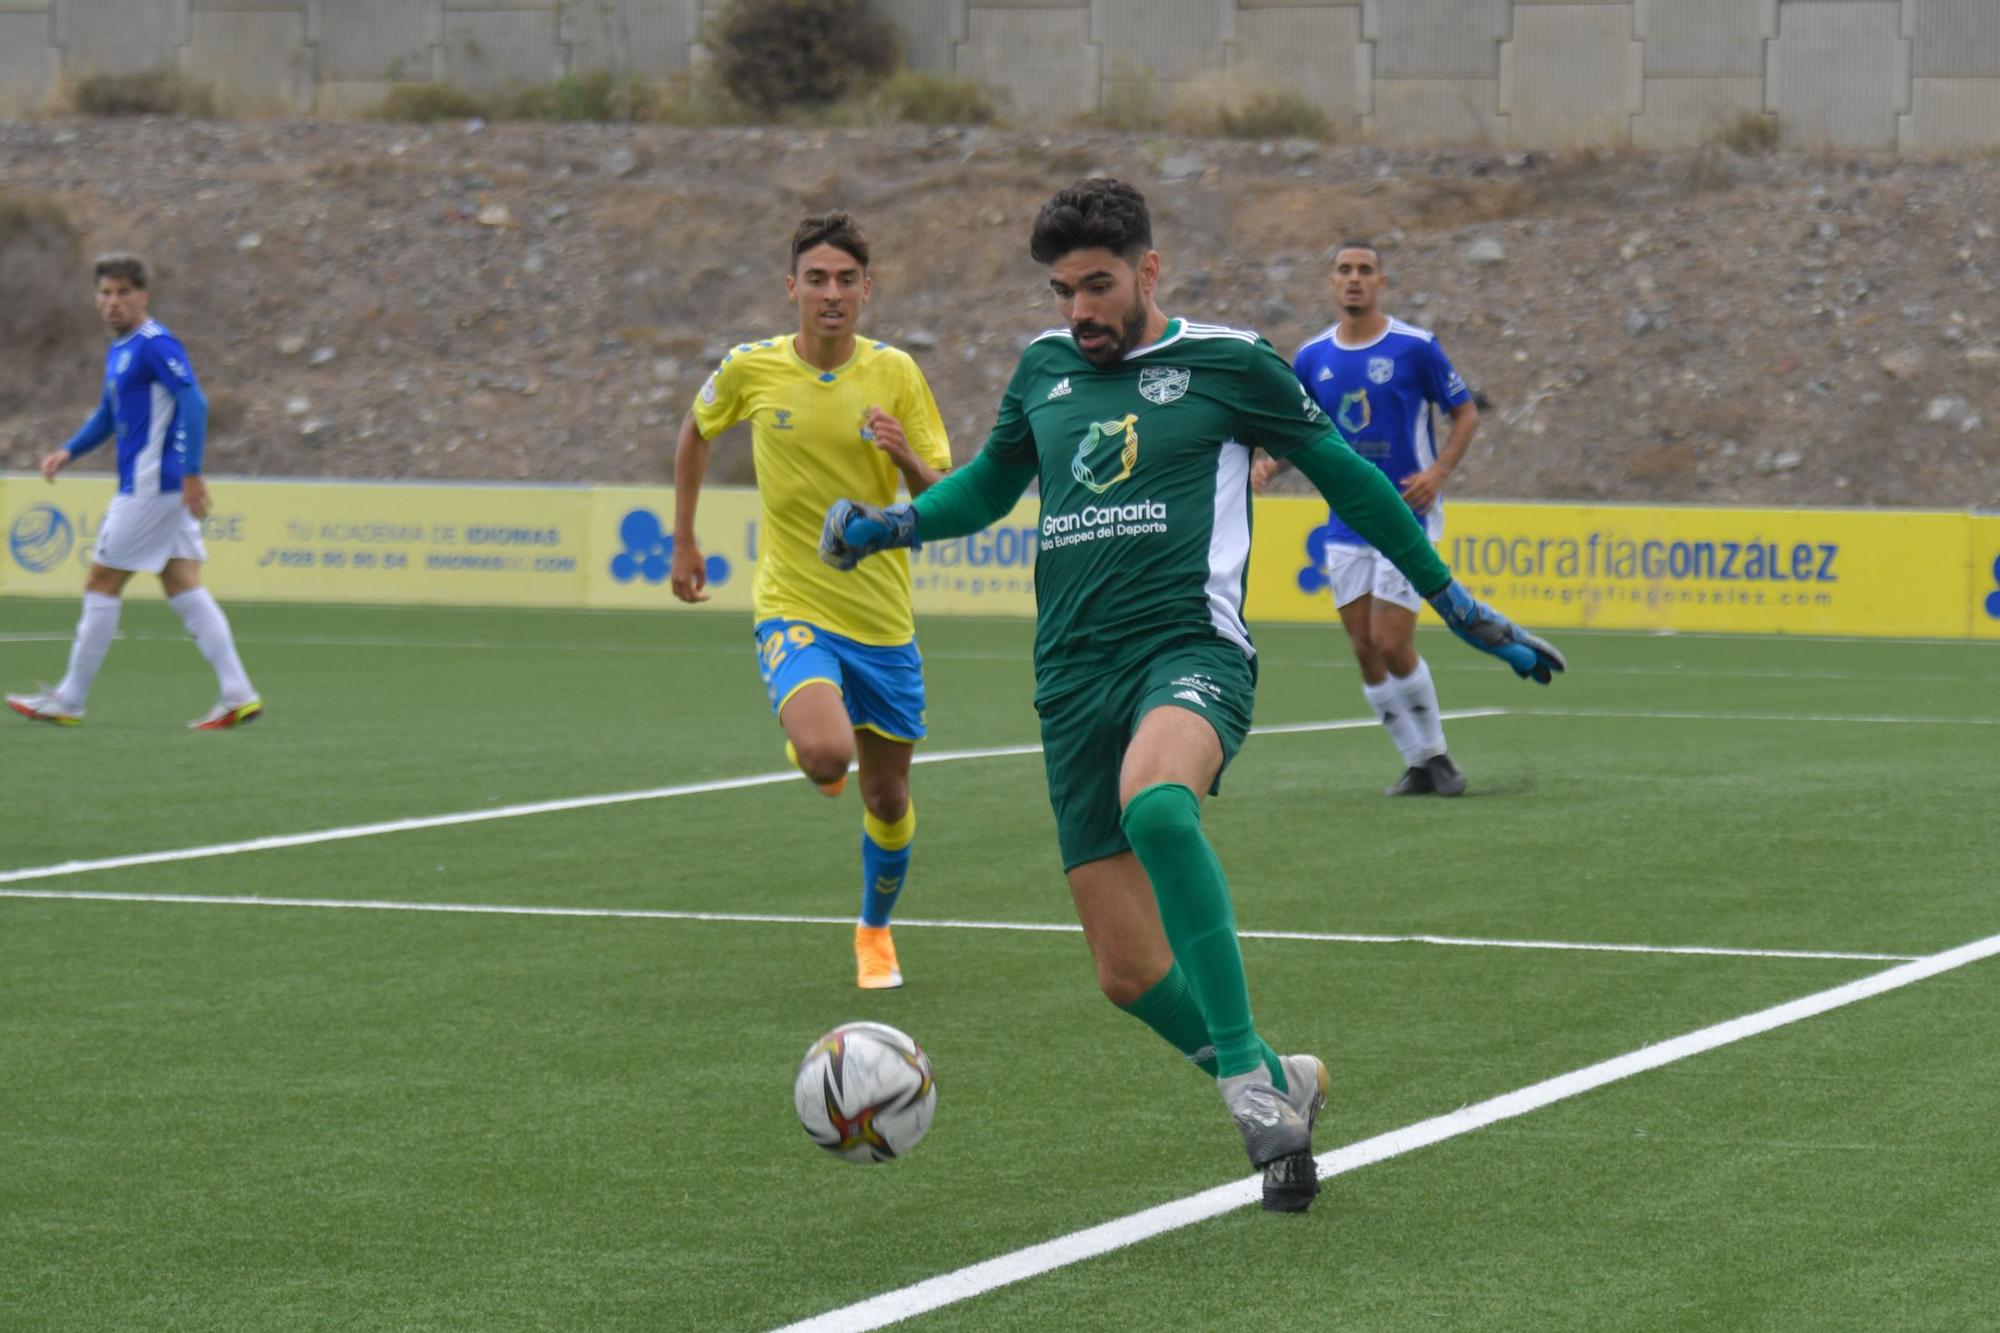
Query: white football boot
pixel 43 706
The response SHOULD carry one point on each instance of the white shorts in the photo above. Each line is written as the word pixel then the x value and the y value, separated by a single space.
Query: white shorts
pixel 1362 571
pixel 142 532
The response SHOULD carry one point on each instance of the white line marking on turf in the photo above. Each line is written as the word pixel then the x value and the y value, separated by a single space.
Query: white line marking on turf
pixel 952 655
pixel 747 648
pixel 584 803
pixel 913 923
pixel 949 1288
pixel 1677 716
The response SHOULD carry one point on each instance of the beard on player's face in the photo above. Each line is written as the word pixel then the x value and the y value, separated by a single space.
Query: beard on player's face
pixel 1117 341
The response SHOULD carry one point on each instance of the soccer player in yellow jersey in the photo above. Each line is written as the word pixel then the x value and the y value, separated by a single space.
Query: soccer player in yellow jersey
pixel 831 415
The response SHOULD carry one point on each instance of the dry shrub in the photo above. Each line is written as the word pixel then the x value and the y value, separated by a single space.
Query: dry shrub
pixel 41 270
pixel 772 54
pixel 1750 134
pixel 1130 101
pixel 938 99
pixel 159 92
pixel 426 102
pixel 1273 115
pixel 1239 103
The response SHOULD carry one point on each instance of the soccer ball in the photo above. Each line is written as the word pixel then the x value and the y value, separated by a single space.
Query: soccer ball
pixel 865 1092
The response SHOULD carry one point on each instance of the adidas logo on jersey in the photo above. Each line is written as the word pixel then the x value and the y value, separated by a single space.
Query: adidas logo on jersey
pixel 1326 372
pixel 1192 697
pixel 1060 391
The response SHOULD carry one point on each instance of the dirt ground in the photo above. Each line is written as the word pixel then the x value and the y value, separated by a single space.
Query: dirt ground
pixel 540 303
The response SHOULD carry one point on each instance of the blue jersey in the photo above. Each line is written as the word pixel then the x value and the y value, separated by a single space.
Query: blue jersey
pixel 1380 395
pixel 154 406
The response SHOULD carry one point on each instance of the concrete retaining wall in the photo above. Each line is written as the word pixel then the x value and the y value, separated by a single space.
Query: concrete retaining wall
pixel 1885 75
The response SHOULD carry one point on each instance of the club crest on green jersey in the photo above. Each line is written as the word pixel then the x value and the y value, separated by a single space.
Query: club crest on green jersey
pixel 1163 384
pixel 1105 446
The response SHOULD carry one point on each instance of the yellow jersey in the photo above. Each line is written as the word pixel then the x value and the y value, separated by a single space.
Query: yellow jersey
pixel 809 451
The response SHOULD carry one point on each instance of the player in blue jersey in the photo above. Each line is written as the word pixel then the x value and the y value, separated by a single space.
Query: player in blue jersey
pixel 153 406
pixel 1380 379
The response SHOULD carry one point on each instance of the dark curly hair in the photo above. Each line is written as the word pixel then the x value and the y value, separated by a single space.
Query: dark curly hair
pixel 836 229
pixel 1095 213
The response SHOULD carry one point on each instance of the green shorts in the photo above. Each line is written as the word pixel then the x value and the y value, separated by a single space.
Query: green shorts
pixel 1089 717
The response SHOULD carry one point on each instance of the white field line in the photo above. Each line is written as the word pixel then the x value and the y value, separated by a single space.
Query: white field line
pixel 1434 630
pixel 1671 715
pixel 912 923
pixel 949 1288
pixel 278 841
pixel 950 655
pixel 747 649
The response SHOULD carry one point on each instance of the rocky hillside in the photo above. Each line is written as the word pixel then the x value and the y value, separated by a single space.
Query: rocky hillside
pixel 540 303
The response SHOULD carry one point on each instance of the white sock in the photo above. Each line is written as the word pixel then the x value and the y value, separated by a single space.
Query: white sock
pixel 1420 700
pixel 94 633
pixel 1387 701
pixel 204 620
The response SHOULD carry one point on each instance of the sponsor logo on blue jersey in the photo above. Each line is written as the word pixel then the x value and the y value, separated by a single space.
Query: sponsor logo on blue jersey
pixel 41 538
pixel 649 552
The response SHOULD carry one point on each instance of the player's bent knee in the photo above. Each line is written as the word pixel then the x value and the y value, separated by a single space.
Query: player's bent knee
pixel 888 803
pixel 1164 820
pixel 824 762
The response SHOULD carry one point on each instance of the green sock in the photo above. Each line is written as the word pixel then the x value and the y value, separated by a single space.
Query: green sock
pixel 1163 824
pixel 1169 1009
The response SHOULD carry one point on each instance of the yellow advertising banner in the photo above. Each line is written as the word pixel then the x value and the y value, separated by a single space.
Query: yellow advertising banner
pixel 1636 567
pixel 989 573
pixel 330 541
pixel 1984 537
pixel 632 546
pixel 50 532
pixel 1846 572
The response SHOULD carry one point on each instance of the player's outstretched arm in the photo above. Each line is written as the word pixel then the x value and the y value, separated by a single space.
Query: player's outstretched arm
pixel 1369 503
pixel 91 434
pixel 975 496
pixel 1490 632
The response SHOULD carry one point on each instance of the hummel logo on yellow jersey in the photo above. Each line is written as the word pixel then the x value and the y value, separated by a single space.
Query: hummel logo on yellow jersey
pixel 1060 391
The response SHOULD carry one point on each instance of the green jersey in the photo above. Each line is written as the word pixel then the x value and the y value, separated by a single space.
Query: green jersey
pixel 1145 484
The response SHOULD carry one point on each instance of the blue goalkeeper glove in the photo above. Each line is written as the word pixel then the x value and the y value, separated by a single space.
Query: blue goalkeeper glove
pixel 854 530
pixel 1490 632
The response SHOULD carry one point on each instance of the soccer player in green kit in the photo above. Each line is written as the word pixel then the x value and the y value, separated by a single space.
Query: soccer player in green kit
pixel 1140 430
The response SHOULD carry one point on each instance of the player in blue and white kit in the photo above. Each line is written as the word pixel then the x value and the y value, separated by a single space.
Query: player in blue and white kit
pixel 1380 379
pixel 154 407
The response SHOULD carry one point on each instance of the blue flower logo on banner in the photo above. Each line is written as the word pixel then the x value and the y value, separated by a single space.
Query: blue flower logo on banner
pixel 649 551
pixel 1312 576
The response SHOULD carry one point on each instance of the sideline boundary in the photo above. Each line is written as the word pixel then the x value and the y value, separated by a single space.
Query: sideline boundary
pixel 518 810
pixel 913 923
pixel 1005 1270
